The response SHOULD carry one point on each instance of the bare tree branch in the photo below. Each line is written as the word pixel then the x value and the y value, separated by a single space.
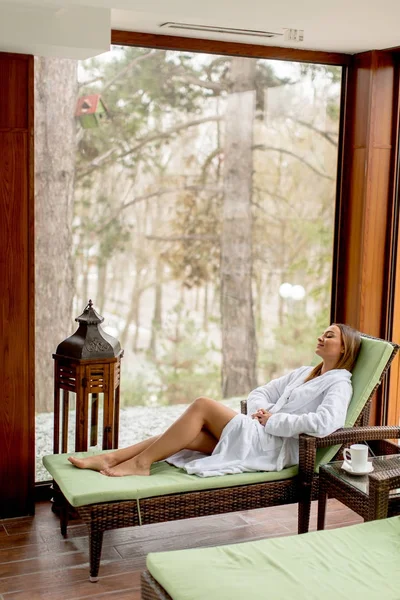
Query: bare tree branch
pixel 166 134
pixel 264 148
pixel 272 194
pixel 328 135
pixel 133 62
pixel 156 194
pixel 203 83
pixel 178 238
pixel 100 161
pixel 90 81
pixel 209 85
pixel 280 218
pixel 208 161
pixel 118 75
pixel 257 205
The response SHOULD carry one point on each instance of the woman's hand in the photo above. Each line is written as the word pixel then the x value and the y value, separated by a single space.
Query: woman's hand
pixel 261 415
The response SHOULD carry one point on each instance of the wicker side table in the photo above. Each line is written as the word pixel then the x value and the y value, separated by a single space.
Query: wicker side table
pixel 373 496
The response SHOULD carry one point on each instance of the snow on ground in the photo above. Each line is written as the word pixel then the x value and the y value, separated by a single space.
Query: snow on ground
pixel 136 423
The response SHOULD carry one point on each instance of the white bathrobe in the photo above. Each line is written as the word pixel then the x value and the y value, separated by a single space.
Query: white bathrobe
pixel 317 407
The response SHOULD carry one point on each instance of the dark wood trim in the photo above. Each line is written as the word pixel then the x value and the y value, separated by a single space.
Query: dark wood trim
pixel 43 491
pixel 339 208
pixel 341 239
pixel 189 44
pixel 14 55
pixel 394 50
pixel 13 129
pixel 31 275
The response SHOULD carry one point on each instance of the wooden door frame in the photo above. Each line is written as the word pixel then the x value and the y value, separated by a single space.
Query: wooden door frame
pixel 17 300
pixel 366 247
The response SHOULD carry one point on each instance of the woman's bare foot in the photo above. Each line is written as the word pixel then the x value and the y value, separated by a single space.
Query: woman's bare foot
pixel 129 467
pixel 97 462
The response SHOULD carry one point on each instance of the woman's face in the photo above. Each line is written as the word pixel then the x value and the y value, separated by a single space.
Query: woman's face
pixel 330 345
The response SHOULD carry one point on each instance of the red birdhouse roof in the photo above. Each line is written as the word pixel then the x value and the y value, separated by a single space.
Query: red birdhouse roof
pixel 87 105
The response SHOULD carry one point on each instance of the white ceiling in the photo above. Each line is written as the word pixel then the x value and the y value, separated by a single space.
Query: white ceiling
pixel 343 25
pixel 339 25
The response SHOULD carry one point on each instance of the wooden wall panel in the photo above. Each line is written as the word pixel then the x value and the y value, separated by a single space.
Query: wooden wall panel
pixel 13 105
pixel 360 99
pixel 374 258
pixel 16 287
pixel 367 198
pixel 350 303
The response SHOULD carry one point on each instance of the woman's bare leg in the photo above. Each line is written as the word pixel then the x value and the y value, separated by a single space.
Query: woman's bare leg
pixel 97 462
pixel 205 442
pixel 203 414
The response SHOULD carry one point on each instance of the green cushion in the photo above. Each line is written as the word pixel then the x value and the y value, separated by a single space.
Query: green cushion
pixel 82 486
pixel 360 561
pixel 374 355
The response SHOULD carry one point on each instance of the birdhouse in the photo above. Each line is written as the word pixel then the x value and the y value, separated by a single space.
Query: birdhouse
pixel 87 364
pixel 91 110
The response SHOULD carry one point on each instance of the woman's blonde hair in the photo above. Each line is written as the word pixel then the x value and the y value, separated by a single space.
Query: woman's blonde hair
pixel 351 340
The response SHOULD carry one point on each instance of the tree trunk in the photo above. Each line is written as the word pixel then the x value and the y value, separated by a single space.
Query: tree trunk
pixel 131 312
pixel 101 283
pixel 156 322
pixel 85 278
pixel 239 352
pixel 136 318
pixel 55 146
pixel 259 284
pixel 282 269
pixel 205 307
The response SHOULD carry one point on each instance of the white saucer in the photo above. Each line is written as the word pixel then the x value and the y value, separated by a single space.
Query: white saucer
pixel 348 468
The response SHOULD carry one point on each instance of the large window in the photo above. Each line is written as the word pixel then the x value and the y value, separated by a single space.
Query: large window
pixel 192 198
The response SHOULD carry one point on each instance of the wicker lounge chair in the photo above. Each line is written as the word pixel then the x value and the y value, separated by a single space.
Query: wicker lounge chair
pixel 360 561
pixel 108 503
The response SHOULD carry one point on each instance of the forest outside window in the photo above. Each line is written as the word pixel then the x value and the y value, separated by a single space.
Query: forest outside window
pixel 192 198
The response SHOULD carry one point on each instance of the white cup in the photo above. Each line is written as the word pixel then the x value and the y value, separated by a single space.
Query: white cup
pixel 357 457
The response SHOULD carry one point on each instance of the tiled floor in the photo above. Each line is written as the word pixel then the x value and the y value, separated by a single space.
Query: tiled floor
pixel 36 562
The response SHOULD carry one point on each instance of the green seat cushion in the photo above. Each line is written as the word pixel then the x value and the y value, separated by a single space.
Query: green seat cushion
pixel 361 561
pixel 82 486
pixel 373 357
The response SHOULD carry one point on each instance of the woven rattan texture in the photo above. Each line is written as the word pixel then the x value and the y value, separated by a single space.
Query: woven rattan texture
pixel 151 590
pixel 110 515
pixel 212 502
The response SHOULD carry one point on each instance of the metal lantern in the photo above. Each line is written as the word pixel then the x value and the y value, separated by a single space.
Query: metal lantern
pixel 87 363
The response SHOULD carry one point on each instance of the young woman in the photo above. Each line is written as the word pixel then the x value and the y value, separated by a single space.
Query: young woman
pixel 212 439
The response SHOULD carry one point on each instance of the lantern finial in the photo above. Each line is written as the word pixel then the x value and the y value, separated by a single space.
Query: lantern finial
pixel 90 341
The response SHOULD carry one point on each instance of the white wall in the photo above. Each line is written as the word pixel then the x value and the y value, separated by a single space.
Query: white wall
pixel 69 32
